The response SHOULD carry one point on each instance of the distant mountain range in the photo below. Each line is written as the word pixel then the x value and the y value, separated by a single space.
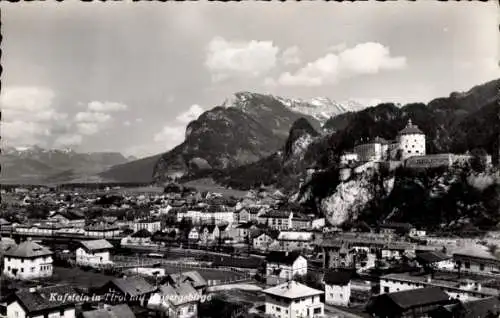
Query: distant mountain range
pixel 35 165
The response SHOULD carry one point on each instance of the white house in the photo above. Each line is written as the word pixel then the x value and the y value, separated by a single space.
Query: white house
pixel 262 241
pixel 293 300
pixel 283 266
pixel 279 220
pixel 194 234
pixel 337 287
pixel 178 301
pixel 295 240
pixel 94 253
pixel 43 302
pixel 151 225
pixel 27 260
pixel 209 233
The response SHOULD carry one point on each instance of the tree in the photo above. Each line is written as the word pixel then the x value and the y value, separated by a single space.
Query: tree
pixel 478 161
pixel 310 279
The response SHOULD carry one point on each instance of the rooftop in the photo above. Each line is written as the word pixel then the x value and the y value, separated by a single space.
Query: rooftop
pixel 282 257
pixel 27 249
pixel 450 284
pixel 118 311
pixel 96 245
pixel 292 290
pixel 410 129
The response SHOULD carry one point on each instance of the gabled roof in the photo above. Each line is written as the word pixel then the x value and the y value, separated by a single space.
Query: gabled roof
pixel 193 276
pixel 277 214
pixel 41 299
pixel 246 225
pixel 432 257
pixel 182 293
pixel 480 308
pixel 292 290
pixel 27 249
pixel 279 257
pixel 338 277
pixel 118 311
pixel 96 245
pixel 133 286
pixel 417 297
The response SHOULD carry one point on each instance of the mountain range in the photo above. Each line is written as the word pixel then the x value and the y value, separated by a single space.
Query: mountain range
pixel 252 132
pixel 36 165
pixel 456 124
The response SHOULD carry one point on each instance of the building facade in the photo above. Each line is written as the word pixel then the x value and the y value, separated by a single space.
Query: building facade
pixel 27 261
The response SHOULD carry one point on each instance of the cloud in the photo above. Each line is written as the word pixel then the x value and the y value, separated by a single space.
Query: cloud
pixel 21 133
pixel 191 114
pixel 226 59
pixel 365 58
pixel 88 128
pixel 127 123
pixel 28 115
pixel 106 106
pixel 291 56
pixel 97 117
pixel 174 133
pixel 92 117
pixel 138 120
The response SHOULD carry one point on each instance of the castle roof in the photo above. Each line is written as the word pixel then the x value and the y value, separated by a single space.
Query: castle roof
pixel 411 129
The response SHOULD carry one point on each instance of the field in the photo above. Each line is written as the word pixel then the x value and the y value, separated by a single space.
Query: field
pixel 137 190
pixel 208 274
pixel 79 277
pixel 207 184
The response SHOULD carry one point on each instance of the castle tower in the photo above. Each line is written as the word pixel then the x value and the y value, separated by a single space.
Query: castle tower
pixel 411 141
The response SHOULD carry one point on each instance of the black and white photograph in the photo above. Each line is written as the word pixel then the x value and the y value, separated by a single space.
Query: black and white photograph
pixel 250 159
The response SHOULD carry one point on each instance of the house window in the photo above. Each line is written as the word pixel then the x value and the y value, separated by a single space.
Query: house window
pixel 32 269
pixel 386 289
pixel 61 312
pixel 317 310
pixel 278 309
pixel 22 270
pixel 467 264
pixel 481 267
pixel 191 308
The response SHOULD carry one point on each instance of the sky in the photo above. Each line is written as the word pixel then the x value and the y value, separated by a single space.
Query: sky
pixel 129 77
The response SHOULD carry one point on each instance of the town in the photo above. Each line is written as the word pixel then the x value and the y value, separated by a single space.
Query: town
pixel 177 252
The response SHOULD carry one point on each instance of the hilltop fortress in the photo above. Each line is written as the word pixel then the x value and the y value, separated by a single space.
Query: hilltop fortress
pixel 407 149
